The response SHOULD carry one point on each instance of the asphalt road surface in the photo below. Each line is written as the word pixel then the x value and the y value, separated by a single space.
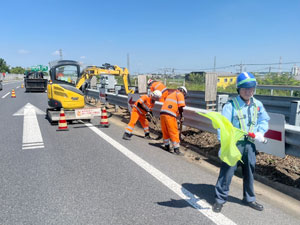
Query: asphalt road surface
pixel 90 175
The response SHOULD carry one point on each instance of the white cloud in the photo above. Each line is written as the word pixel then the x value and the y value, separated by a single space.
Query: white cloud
pixel 82 57
pixel 55 53
pixel 23 51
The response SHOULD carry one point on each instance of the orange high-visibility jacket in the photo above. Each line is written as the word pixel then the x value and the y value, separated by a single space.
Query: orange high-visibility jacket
pixel 146 102
pixel 156 85
pixel 172 103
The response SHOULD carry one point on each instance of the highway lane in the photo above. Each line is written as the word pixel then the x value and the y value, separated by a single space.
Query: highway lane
pixel 80 178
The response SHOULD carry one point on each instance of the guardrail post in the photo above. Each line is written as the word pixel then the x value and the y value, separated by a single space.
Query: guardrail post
pixel 295 113
pixel 222 99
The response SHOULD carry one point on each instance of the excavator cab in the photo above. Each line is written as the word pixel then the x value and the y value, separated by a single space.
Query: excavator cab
pixel 62 91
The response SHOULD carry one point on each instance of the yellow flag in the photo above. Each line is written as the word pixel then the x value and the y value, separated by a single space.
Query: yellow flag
pixel 230 154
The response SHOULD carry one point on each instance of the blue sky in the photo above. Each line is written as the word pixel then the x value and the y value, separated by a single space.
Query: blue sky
pixel 185 35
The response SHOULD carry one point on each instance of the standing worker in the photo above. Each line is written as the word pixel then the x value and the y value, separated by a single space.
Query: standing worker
pixel 141 108
pixel 248 114
pixel 157 85
pixel 171 109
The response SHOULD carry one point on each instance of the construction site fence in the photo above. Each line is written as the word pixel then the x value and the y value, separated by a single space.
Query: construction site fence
pixel 194 120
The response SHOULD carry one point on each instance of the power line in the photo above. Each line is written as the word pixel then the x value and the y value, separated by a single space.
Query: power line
pixel 230 66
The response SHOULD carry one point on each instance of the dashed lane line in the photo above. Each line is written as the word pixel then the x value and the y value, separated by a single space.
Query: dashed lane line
pixel 5 95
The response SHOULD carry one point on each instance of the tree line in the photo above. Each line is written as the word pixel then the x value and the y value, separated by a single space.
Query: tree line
pixel 4 68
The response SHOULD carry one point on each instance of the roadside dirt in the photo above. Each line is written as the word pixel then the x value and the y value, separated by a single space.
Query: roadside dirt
pixel 283 170
pixel 206 145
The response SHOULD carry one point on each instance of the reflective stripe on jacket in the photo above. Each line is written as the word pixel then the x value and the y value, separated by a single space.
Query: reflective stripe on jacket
pixel 240 115
pixel 172 103
pixel 146 102
pixel 156 85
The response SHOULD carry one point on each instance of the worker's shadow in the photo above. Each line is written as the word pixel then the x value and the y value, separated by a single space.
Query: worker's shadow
pixel 158 145
pixel 194 193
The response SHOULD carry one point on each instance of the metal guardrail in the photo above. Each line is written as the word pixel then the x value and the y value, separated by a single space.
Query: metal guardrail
pixel 273 104
pixel 292 140
pixel 291 89
pixel 193 119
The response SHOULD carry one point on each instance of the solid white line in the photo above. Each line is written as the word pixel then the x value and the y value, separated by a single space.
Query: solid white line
pixel 202 206
pixel 33 147
pixel 5 95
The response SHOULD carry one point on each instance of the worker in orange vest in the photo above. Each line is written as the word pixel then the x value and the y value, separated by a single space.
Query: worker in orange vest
pixel 141 108
pixel 171 109
pixel 157 85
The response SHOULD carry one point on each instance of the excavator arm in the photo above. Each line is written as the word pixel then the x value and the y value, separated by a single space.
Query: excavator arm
pixel 106 69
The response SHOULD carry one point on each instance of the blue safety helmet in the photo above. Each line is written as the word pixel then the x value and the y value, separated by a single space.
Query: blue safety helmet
pixel 245 80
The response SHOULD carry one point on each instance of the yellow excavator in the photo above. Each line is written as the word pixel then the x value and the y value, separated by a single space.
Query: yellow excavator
pixel 64 88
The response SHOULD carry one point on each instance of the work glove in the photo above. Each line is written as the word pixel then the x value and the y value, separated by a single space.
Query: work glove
pixel 181 119
pixel 258 137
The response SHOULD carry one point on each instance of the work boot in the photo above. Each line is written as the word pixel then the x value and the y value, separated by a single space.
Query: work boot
pixel 217 207
pixel 177 152
pixel 255 205
pixel 147 135
pixel 167 148
pixel 127 136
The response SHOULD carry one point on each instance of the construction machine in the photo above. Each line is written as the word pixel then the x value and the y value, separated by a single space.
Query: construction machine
pixel 34 81
pixel 65 88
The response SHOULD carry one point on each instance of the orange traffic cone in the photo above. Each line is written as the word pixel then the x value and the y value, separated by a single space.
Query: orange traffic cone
pixel 13 94
pixel 104 120
pixel 62 124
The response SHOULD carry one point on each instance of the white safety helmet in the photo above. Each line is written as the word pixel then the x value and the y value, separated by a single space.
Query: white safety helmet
pixel 156 94
pixel 150 81
pixel 183 90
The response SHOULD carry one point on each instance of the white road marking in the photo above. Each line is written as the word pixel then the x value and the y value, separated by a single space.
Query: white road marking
pixel 32 136
pixel 5 95
pixel 33 145
pixel 202 206
pixel 17 87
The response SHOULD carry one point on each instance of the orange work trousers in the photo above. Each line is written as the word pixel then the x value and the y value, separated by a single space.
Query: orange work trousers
pixel 136 116
pixel 169 129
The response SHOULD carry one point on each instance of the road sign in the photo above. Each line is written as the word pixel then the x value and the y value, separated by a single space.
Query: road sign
pixel 39 68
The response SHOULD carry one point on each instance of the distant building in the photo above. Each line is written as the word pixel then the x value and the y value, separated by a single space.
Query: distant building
pixel 226 79
pixel 295 71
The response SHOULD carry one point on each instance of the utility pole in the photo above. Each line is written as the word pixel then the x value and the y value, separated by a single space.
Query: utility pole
pixel 60 54
pixel 241 67
pixel 128 62
pixel 215 63
pixel 279 70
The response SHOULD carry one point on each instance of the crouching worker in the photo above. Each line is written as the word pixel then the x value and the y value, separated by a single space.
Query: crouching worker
pixel 140 111
pixel 171 109
pixel 249 115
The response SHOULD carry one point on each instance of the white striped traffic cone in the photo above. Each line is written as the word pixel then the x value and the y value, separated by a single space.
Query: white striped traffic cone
pixel 62 124
pixel 104 119
pixel 13 93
